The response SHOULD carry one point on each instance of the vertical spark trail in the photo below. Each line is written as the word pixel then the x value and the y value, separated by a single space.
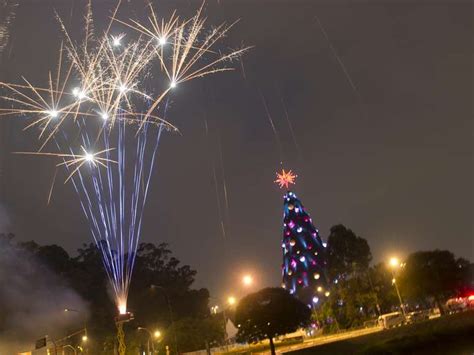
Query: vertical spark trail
pixel 343 67
pixel 116 223
pixel 275 133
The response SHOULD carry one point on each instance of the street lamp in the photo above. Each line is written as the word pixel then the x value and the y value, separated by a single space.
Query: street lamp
pixel 170 311
pixel 156 334
pixel 231 300
pixel 68 310
pixel 394 264
pixel 247 280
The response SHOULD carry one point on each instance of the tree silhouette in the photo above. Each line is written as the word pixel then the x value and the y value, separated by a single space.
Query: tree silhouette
pixel 268 313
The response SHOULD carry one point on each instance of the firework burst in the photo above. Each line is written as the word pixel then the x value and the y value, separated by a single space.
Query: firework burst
pixel 93 101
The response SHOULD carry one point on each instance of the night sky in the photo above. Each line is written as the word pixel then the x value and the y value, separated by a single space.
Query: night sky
pixel 383 134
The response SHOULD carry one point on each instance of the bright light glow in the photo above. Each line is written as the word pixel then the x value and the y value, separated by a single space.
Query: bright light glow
pixel 247 280
pixel 285 179
pixel 53 113
pixel 89 157
pixel 393 281
pixel 317 276
pixel 123 88
pixel 122 307
pixel 319 289
pixel 84 338
pixel 315 299
pixel 75 91
pixel 173 84
pixel 231 300
pixel 327 294
pixel 157 334
pixel 394 262
pixel 162 41
pixel 105 116
pixel 117 41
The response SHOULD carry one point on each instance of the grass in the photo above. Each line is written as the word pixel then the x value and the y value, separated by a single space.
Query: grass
pixel 452 334
pixel 255 348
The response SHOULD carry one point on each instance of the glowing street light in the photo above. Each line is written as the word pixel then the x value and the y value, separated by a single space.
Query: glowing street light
pixel 231 300
pixel 157 334
pixel 84 338
pixel 247 280
pixel 394 262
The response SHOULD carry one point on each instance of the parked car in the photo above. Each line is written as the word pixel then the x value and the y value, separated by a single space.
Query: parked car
pixel 391 320
pixel 457 304
pixel 417 316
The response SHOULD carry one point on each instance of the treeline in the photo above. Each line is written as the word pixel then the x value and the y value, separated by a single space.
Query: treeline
pixel 161 297
pixel 361 291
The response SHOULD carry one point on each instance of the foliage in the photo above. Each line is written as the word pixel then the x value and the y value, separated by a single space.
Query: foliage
pixel 437 274
pixel 160 295
pixel 191 334
pixel 347 253
pixel 268 313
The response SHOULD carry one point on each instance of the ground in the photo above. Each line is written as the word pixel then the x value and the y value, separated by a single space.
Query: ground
pixel 452 334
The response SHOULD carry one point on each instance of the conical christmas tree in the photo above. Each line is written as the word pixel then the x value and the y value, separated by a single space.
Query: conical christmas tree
pixel 304 254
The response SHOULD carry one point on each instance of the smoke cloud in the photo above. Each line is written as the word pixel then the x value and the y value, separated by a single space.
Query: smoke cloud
pixel 32 301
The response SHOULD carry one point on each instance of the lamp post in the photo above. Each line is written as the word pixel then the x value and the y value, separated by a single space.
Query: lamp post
pixel 72 347
pixel 170 310
pixel 394 263
pixel 84 337
pixel 231 301
pixel 156 334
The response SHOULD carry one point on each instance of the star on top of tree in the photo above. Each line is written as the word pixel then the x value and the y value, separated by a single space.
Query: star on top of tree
pixel 285 178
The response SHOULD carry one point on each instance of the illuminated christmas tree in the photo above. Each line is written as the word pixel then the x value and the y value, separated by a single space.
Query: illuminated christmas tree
pixel 304 260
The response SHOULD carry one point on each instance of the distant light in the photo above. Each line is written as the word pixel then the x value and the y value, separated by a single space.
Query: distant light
pixel 325 245
pixel 317 276
pixel 231 300
pixel 247 280
pixel 84 338
pixel 157 334
pixel 327 294
pixel 394 262
pixel 315 299
pixel 319 289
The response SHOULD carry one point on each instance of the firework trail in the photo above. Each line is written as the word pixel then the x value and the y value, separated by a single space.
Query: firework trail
pixel 106 127
pixel 343 67
pixel 275 133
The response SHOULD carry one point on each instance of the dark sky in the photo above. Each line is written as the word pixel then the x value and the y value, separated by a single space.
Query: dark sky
pixel 391 159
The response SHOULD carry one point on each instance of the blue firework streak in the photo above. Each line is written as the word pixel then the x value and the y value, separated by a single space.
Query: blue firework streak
pixel 112 200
